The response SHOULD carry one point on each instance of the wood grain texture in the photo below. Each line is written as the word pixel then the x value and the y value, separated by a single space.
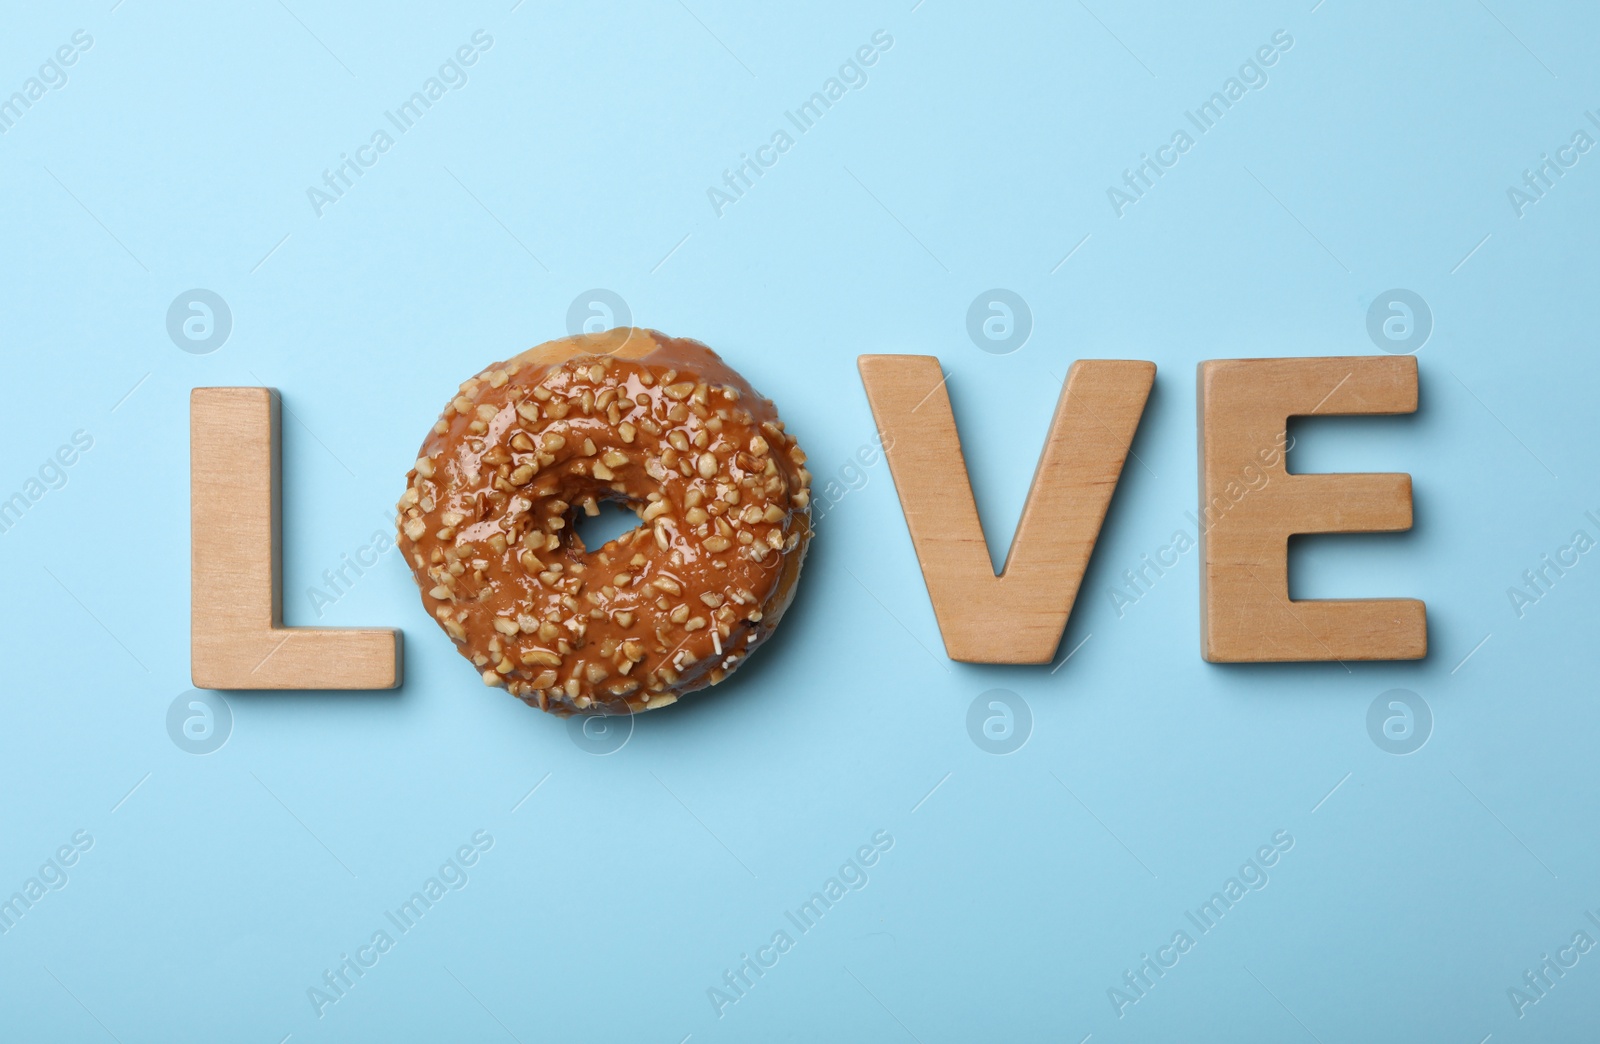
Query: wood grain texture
pixel 236 633
pixel 1250 505
pixel 1018 616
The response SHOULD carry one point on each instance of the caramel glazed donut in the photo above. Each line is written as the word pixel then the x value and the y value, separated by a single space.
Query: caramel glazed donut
pixel 659 424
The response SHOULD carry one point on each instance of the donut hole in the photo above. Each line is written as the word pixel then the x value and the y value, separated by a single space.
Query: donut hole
pixel 616 518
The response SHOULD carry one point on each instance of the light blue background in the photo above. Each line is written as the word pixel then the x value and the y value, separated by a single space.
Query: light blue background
pixel 1418 891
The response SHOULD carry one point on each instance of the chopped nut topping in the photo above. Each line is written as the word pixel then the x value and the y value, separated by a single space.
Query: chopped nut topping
pixel 718 483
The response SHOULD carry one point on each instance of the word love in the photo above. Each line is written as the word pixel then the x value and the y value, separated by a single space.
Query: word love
pixel 1252 503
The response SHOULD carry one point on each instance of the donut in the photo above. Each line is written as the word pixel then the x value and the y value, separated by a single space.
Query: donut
pixel 658 424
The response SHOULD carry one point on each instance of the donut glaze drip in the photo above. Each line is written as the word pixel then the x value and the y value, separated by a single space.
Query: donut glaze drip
pixel 661 425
